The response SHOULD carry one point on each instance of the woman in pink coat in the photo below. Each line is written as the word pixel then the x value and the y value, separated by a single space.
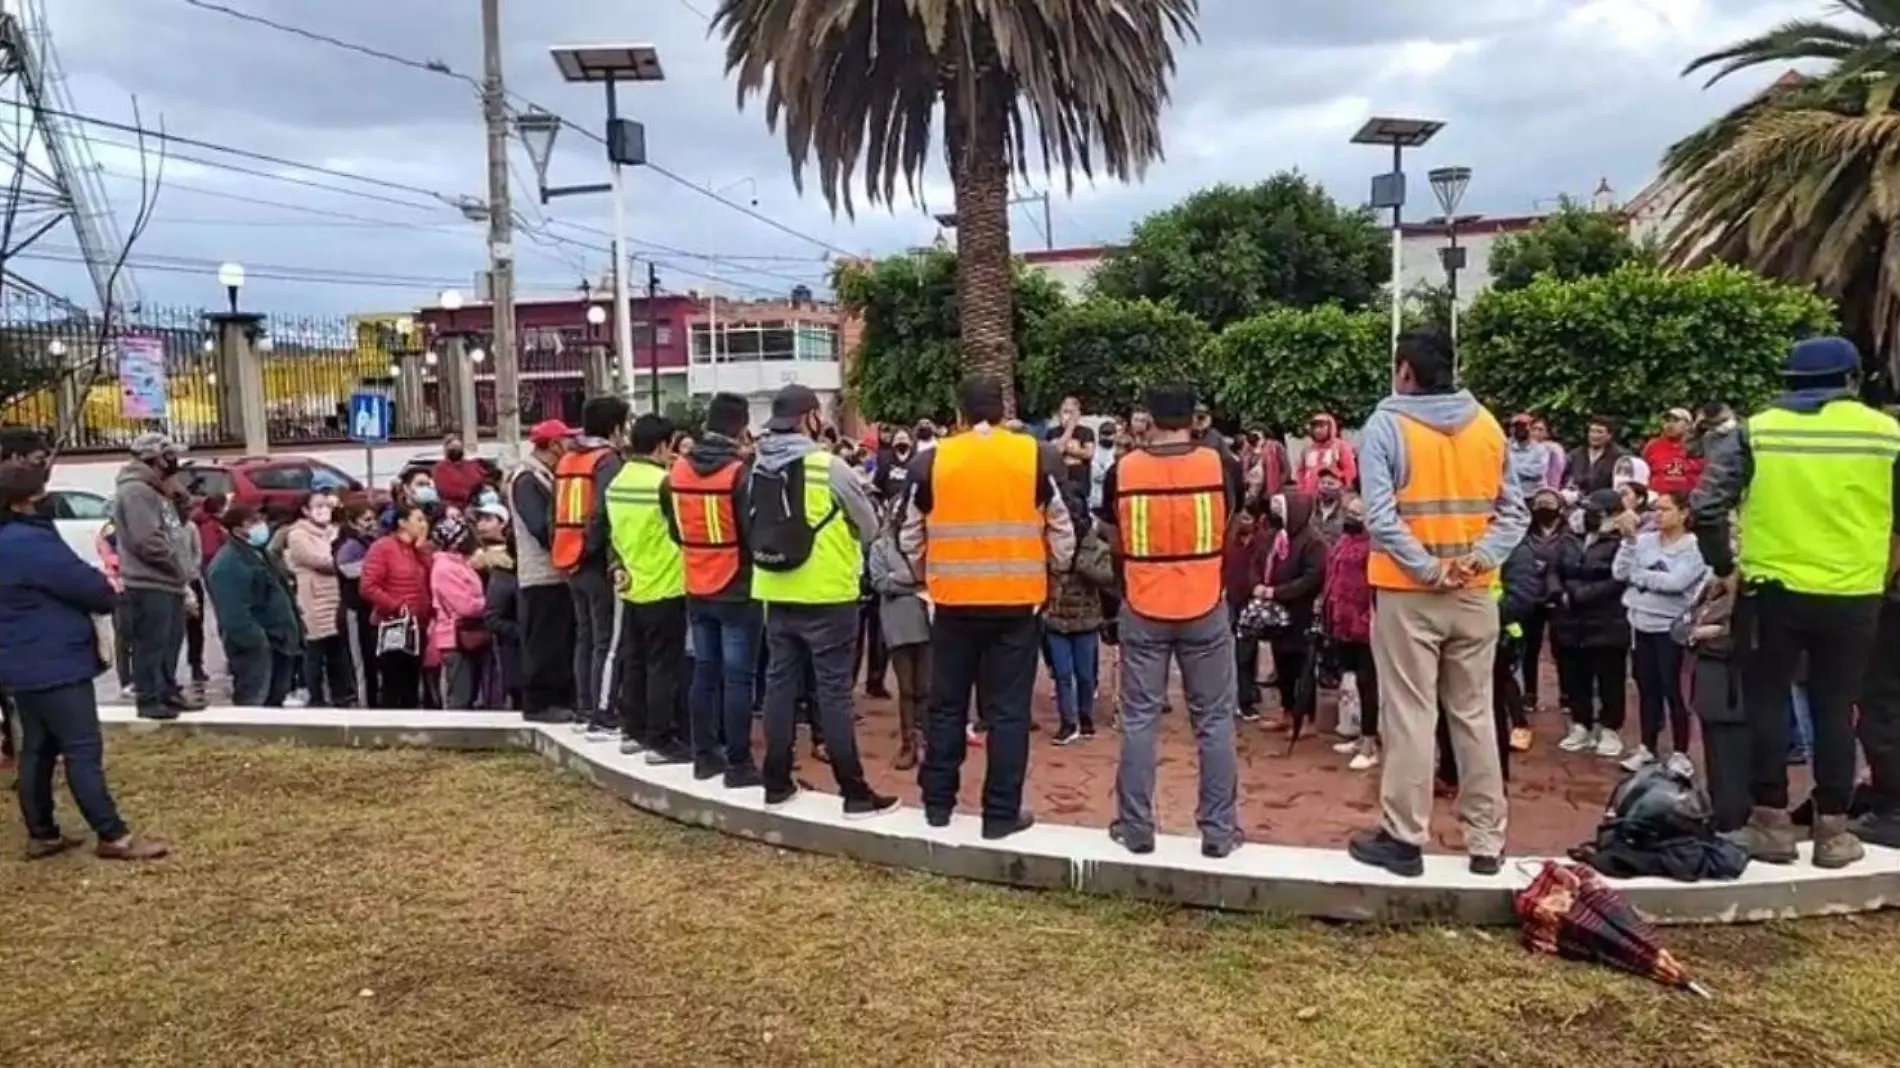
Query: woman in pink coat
pixel 458 641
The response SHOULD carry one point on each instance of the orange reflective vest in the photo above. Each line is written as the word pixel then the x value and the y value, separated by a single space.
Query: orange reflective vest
pixel 576 498
pixel 1451 489
pixel 706 525
pixel 1172 517
pixel 983 536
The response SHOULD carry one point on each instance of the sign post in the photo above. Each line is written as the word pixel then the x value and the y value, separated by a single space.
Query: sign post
pixel 369 424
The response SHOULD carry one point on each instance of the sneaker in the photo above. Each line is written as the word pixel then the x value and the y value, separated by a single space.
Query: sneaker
pixel 937 817
pixel 581 725
pixel 744 778
pixel 780 798
pixel 1067 736
pixel 131 848
pixel 162 712
pixel 1347 747
pixel 994 830
pixel 871 804
pixel 1578 739
pixel 1521 739
pixel 550 715
pixel 707 769
pixel 667 756
pixel 128 694
pixel 41 848
pixel 297 699
pixel 628 747
pixel 1088 729
pixel 1218 848
pixel 1365 759
pixel 1609 744
pixel 1140 845
pixel 189 702
pixel 1639 760
pixel 1486 865
pixel 1880 828
pixel 1381 850
pixel 602 732
pixel 1249 715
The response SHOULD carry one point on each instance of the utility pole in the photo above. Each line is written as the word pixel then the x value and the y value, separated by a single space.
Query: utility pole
pixel 501 248
pixel 653 336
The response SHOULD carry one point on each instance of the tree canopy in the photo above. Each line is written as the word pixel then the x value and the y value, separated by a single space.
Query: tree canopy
pixel 1281 366
pixel 1109 352
pixel 1573 242
pixel 1230 252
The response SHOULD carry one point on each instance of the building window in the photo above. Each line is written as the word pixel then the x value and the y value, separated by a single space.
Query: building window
pixel 773 341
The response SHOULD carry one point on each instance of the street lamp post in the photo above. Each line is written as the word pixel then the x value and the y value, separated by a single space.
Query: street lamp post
pixel 1388 191
pixel 231 277
pixel 608 65
pixel 1449 185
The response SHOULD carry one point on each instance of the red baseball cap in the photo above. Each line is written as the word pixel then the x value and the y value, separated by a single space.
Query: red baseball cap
pixel 549 431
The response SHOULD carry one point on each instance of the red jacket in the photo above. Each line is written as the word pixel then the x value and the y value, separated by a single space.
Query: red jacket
pixel 458 481
pixel 1671 468
pixel 395 577
pixel 1242 563
pixel 1346 608
pixel 211 533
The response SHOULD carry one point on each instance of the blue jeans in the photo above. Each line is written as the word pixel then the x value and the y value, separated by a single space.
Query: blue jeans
pixel 260 678
pixel 156 620
pixel 1800 723
pixel 61 724
pixel 1073 661
pixel 726 654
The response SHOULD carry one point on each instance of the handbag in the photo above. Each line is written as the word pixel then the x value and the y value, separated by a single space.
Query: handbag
pixel 1262 620
pixel 399 635
pixel 472 635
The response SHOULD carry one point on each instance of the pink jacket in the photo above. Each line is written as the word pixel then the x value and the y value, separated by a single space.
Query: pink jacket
pixel 457 592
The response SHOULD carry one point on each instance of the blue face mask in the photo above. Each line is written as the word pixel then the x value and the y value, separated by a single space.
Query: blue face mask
pixel 258 536
pixel 425 494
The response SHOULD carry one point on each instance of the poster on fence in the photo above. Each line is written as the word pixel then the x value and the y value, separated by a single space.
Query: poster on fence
pixel 142 377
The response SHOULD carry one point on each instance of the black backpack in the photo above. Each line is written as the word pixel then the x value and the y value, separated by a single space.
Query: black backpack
pixel 777 531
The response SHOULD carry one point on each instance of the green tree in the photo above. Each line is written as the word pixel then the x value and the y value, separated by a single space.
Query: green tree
pixel 1283 365
pixel 909 357
pixel 852 80
pixel 1572 243
pixel 1797 182
pixel 1109 352
pixel 1229 252
pixel 1635 342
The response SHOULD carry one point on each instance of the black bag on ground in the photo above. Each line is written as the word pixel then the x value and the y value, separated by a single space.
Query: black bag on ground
pixel 777 530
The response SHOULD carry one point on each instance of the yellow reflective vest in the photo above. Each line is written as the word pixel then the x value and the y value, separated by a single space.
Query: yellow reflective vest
pixel 656 567
pixel 1818 513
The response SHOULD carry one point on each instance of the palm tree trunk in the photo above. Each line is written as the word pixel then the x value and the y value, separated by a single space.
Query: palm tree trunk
pixel 977 132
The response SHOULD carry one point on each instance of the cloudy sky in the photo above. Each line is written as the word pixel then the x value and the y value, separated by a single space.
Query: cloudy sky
pixel 1541 98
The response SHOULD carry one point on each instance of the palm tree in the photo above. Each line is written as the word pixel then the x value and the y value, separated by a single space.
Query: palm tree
pixel 1802 181
pixel 853 81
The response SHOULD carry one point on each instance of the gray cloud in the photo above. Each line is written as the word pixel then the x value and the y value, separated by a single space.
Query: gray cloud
pixel 1540 96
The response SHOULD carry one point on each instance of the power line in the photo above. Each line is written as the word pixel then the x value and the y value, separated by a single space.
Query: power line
pixel 441 68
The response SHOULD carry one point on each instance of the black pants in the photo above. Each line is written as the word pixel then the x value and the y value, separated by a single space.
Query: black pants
pixel 1724 729
pixel 1356 657
pixel 994 655
pixel 1657 661
pixel 62 726
pixel 1507 696
pixel 1773 627
pixel 400 677
pixel 1597 681
pixel 1530 654
pixel 818 638
pixel 157 623
pixel 360 642
pixel 649 669
pixel 547 648
pixel 1246 664
pixel 871 651
pixel 1289 663
pixel 327 671
pixel 195 635
pixel 1880 710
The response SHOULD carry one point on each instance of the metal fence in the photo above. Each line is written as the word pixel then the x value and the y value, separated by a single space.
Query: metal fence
pixel 96 387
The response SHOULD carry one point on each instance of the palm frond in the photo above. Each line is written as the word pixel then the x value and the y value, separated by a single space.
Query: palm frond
pixel 1801 39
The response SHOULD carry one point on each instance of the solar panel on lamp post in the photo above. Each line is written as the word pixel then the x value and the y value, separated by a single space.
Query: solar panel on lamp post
pixel 1388 191
pixel 609 65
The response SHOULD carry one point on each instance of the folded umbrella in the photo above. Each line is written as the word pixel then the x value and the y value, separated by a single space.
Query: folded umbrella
pixel 1305 692
pixel 1569 911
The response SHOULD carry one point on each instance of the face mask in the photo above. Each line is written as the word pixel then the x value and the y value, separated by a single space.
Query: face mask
pixel 1328 495
pixel 1521 433
pixel 258 536
pixel 320 515
pixel 455 454
pixel 1353 526
pixel 1546 514
pixel 425 494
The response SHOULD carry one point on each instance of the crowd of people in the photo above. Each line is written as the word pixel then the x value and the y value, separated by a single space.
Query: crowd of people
pixel 659 587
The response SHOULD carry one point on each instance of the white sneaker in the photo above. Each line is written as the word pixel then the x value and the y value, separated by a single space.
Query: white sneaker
pixel 1639 760
pixel 1347 747
pixel 1609 744
pixel 128 694
pixel 629 747
pixel 1364 760
pixel 297 699
pixel 1579 739
pixel 602 734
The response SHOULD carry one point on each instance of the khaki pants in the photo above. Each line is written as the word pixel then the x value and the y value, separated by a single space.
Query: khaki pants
pixel 1436 649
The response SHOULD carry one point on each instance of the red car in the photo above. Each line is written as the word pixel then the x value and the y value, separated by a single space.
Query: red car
pixel 274 484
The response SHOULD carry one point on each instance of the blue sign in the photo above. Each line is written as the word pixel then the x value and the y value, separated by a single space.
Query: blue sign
pixel 369 417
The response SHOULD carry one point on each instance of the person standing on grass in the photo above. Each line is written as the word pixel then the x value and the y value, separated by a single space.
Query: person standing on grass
pixel 545 611
pixel 1169 503
pixel 986 525
pixel 1443 512
pixel 49 657
pixel 152 544
pixel 1664 572
pixel 257 619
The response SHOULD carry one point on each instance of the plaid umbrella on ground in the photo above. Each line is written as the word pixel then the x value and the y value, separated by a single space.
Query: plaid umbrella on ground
pixel 1570 912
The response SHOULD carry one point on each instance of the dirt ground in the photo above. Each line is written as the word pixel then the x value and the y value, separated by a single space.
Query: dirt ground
pixel 343 907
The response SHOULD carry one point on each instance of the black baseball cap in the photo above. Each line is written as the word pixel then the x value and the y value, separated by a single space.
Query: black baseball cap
pixel 791 404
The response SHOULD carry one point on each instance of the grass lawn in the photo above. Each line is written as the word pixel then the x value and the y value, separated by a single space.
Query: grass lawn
pixel 352 908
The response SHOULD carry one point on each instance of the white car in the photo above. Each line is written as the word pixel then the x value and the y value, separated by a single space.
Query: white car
pixel 79 514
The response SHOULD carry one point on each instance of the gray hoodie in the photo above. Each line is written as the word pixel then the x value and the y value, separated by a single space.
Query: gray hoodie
pixel 1663 580
pixel 1383 470
pixel 778 451
pixel 153 543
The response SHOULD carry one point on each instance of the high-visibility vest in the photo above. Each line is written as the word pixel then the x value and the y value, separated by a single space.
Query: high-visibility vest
pixel 576 495
pixel 706 525
pixel 656 570
pixel 832 574
pixel 1819 509
pixel 983 536
pixel 1450 492
pixel 1171 517
pixel 1515 630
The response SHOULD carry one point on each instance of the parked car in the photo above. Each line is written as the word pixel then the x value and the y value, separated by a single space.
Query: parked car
pixel 79 514
pixel 273 484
